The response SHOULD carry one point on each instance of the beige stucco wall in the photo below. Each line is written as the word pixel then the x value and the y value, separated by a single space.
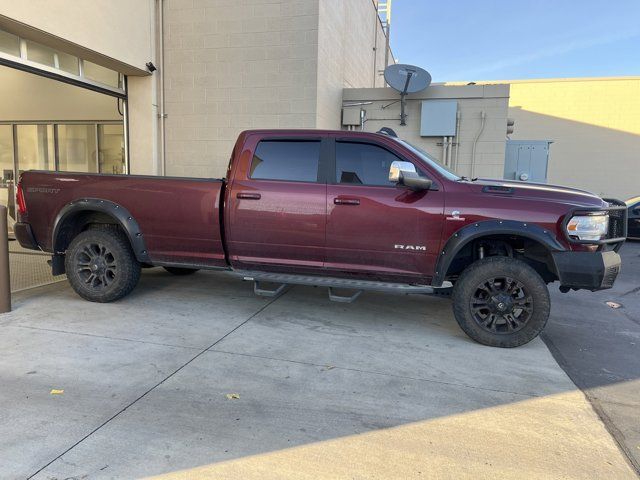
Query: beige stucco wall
pixel 595 128
pixel 472 100
pixel 119 29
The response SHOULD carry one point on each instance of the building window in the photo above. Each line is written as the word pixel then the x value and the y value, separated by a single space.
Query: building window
pixel 35 147
pixel 6 155
pixel 40 54
pixel 77 148
pixel 67 64
pixel 111 148
pixel 67 147
pixel 100 74
pixel 9 43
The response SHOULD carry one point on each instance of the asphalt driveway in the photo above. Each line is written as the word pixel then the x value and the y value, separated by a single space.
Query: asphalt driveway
pixel 194 376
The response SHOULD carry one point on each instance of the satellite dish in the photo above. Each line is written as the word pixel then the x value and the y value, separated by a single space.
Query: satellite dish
pixel 406 79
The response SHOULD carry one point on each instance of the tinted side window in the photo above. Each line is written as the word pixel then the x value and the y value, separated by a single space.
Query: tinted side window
pixel 286 160
pixel 363 164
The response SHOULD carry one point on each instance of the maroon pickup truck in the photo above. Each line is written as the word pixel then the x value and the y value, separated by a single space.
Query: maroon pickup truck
pixel 351 211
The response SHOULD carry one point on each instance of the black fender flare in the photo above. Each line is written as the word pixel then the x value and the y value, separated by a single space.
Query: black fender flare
pixel 472 231
pixel 117 212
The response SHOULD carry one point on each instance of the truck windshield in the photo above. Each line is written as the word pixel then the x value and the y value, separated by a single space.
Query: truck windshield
pixel 432 162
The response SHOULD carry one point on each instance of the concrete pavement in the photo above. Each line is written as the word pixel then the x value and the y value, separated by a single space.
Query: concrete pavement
pixel 387 387
pixel 599 347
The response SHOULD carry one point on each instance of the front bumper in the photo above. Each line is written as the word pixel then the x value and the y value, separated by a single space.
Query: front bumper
pixel 587 270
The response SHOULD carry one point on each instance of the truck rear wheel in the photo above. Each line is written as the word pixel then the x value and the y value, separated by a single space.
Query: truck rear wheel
pixel 501 302
pixel 101 266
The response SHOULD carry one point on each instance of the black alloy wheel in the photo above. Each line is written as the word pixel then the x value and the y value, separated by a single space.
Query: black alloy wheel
pixel 100 264
pixel 501 305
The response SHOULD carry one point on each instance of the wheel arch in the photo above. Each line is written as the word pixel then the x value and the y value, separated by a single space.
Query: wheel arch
pixel 492 230
pixel 76 216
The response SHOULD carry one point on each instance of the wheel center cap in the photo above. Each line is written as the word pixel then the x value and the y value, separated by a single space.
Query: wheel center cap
pixel 502 304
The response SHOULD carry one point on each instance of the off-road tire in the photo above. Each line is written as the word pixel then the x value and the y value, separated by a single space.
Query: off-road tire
pixel 181 271
pixel 469 287
pixel 121 269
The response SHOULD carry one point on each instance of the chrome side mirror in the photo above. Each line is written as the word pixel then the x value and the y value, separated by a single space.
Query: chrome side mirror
pixel 397 168
pixel 404 173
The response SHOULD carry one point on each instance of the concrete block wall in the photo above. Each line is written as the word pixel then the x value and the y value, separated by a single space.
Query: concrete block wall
pixel 236 65
pixel 472 100
pixel 232 66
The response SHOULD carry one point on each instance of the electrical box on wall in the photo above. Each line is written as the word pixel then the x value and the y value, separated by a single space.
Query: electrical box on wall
pixel 438 118
pixel 351 116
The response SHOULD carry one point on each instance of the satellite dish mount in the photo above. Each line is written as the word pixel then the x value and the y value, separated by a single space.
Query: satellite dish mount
pixel 406 79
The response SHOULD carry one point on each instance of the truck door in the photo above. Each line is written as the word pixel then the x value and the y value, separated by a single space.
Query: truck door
pixel 375 227
pixel 276 205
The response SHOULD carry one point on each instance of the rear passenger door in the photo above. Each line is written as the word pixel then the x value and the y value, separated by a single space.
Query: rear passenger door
pixel 277 205
pixel 374 227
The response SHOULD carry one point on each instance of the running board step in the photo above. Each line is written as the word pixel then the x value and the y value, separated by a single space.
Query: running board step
pixel 332 282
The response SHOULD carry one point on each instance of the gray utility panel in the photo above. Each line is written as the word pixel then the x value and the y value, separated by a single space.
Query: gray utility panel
pixel 527 160
pixel 438 118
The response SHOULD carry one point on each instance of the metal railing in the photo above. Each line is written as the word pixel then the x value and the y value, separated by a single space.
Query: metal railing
pixel 29 268
pixel 26 268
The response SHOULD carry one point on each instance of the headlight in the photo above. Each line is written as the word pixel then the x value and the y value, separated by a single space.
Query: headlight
pixel 588 227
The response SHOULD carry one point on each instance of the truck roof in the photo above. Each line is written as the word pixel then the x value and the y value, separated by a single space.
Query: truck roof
pixel 313 131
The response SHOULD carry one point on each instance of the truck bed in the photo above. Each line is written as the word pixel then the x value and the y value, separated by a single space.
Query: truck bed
pixel 180 217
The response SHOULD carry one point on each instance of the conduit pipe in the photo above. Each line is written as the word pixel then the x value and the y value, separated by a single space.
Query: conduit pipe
pixel 445 141
pixel 483 117
pixel 458 116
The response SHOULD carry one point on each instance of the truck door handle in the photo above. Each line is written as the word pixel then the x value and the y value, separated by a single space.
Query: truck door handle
pixel 248 196
pixel 346 201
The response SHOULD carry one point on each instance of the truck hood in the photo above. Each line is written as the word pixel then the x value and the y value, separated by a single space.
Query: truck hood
pixel 539 191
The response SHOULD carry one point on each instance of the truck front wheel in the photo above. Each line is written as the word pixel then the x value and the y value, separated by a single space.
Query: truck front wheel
pixel 101 266
pixel 501 302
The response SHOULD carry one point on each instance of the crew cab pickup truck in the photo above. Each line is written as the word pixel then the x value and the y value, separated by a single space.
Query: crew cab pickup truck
pixel 351 211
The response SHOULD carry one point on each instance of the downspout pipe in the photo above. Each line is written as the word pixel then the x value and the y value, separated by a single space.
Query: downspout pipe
pixel 162 115
pixel 483 117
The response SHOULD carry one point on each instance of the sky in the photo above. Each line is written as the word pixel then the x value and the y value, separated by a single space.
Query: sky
pixel 467 40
